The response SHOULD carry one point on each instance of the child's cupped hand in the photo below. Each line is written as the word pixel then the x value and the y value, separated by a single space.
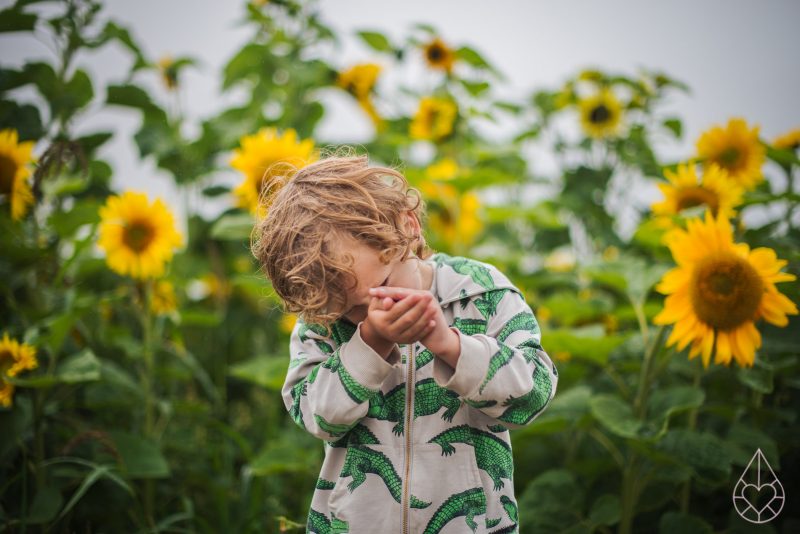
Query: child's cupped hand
pixel 403 315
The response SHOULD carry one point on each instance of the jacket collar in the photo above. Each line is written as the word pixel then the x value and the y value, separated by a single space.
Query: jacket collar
pixel 458 277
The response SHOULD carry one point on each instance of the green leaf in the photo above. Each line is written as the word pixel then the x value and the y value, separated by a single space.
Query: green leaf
pixel 112 31
pixel 615 415
pixel 45 505
pixel 675 125
pixel 704 452
pixel 589 343
pixel 471 56
pixel 376 40
pixel 66 223
pixel 266 371
pixel 77 93
pixel 475 88
pixel 24 118
pixel 606 510
pixel 141 457
pixel 759 377
pixel 678 522
pixel 283 456
pixel 233 227
pixel 134 97
pixel 253 61
pixel 743 440
pixel 80 367
pixel 549 501
pixel 664 403
pixel 14 20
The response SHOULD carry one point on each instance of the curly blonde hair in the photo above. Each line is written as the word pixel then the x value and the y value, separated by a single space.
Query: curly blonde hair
pixel 309 212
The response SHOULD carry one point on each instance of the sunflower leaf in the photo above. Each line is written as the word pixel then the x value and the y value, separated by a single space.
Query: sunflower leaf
pixel 615 415
pixel 376 40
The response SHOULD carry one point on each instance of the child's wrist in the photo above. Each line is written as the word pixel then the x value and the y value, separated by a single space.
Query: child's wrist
pixel 378 343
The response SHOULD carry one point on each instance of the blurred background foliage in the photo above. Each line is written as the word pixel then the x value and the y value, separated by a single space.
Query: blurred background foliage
pixel 141 368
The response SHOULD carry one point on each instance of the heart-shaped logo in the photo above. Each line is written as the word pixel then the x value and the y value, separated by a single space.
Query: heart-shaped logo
pixel 759 497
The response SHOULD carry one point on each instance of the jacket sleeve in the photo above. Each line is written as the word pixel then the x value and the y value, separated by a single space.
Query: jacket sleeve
pixel 505 372
pixel 328 387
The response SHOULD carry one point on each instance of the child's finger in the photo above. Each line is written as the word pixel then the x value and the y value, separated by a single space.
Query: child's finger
pixel 400 307
pixel 418 315
pixel 390 291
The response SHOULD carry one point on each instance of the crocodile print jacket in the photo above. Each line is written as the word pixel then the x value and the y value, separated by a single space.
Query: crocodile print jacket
pixel 411 444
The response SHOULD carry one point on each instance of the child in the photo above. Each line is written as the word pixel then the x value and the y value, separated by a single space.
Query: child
pixel 411 366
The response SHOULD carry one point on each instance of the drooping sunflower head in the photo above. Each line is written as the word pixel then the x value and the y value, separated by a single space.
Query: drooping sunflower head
pixel 15 357
pixel 601 114
pixel 434 119
pixel 265 155
pixel 788 141
pixel 169 72
pixel 359 80
pixel 439 56
pixel 684 190
pixel 737 149
pixel 139 237
pixel 718 290
pixel 15 158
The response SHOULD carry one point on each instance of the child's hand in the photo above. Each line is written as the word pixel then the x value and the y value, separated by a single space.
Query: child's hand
pixel 403 316
pixel 438 338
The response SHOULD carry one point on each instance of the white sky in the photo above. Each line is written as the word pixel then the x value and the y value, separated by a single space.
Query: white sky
pixel 739 57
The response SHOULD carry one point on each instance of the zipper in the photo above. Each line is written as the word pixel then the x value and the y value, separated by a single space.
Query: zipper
pixel 409 420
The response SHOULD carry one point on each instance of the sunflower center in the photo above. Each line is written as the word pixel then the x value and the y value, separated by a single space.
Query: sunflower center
pixel 729 157
pixel 8 169
pixel 600 114
pixel 725 291
pixel 697 196
pixel 138 235
pixel 435 53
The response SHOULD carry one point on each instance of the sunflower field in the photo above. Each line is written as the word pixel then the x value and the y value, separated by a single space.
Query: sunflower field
pixel 141 365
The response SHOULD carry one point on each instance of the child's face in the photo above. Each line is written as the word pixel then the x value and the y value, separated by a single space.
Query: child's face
pixel 370 272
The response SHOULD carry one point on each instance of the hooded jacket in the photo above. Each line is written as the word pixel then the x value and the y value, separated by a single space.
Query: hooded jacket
pixel 411 444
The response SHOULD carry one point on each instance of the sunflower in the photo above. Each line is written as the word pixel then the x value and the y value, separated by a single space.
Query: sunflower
pixel 718 290
pixel 359 80
pixel 735 148
pixel 434 119
pixel 453 217
pixel 788 141
pixel 601 114
pixel 169 72
pixel 14 358
pixel 287 322
pixel 137 236
pixel 162 300
pixel 444 169
pixel 266 154
pixel 439 55
pixel 684 190
pixel 14 172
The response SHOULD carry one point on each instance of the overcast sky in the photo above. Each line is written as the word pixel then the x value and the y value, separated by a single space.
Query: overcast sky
pixel 738 56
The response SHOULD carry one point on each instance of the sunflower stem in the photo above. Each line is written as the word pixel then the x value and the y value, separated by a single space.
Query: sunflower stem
pixel 790 206
pixel 644 378
pixel 687 486
pixel 149 488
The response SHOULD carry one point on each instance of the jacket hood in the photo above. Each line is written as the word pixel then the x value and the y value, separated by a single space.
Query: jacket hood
pixel 458 277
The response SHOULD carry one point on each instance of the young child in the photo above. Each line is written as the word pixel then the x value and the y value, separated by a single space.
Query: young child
pixel 411 366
